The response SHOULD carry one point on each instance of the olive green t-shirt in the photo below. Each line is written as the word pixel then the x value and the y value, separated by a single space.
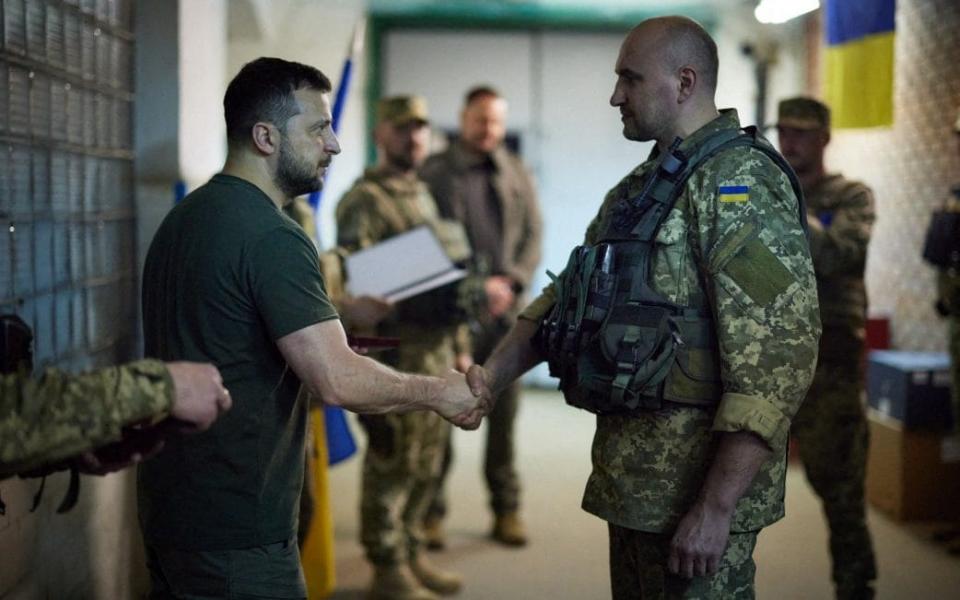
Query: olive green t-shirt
pixel 227 275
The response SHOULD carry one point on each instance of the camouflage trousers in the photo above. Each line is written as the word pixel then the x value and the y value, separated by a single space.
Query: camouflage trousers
pixel 499 467
pixel 832 430
pixel 400 469
pixel 638 569
pixel 954 343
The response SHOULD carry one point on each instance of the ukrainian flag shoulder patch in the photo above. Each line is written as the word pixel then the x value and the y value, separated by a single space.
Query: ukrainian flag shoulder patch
pixel 734 193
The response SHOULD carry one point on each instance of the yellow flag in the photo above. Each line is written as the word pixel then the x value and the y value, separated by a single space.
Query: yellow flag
pixel 316 556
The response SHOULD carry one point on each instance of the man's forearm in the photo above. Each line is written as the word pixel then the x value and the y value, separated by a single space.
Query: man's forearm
pixel 513 356
pixel 703 532
pixel 739 456
pixel 363 385
pixel 319 355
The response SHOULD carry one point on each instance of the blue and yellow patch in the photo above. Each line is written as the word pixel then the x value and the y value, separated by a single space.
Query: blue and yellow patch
pixel 734 193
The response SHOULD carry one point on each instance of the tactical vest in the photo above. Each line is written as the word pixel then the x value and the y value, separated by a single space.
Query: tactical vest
pixel 617 345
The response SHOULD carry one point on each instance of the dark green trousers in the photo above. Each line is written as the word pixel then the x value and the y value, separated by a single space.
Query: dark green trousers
pixel 271 571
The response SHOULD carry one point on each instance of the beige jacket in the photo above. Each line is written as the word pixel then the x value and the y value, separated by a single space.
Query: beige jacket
pixel 522 225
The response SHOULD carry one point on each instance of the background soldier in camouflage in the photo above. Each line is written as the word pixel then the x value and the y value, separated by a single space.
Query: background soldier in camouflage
pixel 479 183
pixel 948 288
pixel 948 306
pixel 404 452
pixel 686 488
pixel 59 415
pixel 831 425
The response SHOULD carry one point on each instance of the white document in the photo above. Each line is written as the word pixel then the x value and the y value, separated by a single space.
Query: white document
pixel 401 267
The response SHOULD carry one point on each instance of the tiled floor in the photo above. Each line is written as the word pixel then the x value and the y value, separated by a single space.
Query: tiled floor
pixel 567 558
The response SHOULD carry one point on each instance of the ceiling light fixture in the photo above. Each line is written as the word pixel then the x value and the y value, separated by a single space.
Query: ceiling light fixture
pixel 781 11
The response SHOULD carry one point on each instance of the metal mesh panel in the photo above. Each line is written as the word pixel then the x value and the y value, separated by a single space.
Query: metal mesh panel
pixel 66 213
pixel 55 37
pixel 14 27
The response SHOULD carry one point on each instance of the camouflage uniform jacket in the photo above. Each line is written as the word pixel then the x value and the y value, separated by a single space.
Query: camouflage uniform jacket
pixel 378 207
pixel 948 280
pixel 845 215
pixel 745 261
pixel 59 415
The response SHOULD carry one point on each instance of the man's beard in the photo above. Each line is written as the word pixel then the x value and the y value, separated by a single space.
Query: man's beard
pixel 295 177
pixel 402 161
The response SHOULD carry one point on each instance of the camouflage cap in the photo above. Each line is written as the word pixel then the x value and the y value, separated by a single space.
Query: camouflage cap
pixel 400 110
pixel 803 113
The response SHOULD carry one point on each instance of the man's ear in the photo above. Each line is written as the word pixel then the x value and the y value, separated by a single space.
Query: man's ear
pixel 266 137
pixel 687 83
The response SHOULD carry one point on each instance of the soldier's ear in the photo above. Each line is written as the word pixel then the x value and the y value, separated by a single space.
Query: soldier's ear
pixel 686 83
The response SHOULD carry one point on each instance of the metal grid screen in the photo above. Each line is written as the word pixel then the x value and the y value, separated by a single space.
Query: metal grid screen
pixel 67 243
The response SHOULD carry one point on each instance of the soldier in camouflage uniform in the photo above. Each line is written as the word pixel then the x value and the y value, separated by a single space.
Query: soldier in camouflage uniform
pixel 948 295
pixel 405 451
pixel 58 416
pixel 831 425
pixel 686 486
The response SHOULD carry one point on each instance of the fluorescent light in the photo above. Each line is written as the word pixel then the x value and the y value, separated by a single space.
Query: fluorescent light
pixel 781 11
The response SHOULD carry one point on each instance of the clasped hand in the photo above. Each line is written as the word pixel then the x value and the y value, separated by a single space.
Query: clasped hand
pixel 468 398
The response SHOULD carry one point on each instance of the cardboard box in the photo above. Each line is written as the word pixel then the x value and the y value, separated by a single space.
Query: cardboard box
pixel 908 475
pixel 911 387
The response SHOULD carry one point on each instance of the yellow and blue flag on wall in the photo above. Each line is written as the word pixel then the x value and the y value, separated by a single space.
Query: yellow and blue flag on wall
pixel 859 62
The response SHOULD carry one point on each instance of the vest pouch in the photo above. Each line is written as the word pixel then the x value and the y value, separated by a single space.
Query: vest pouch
pixel 601 288
pixel 641 341
pixel 694 378
pixel 695 375
pixel 559 333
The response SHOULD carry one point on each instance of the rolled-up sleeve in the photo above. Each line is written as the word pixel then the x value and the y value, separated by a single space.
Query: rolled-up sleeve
pixel 741 412
pixel 763 293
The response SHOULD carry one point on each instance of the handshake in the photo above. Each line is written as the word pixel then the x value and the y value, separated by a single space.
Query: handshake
pixel 466 399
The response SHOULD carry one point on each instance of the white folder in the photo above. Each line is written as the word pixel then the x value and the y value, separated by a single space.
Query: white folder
pixel 401 267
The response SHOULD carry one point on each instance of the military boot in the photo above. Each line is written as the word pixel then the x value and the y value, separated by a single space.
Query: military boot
pixel 509 530
pixel 435 579
pixel 433 534
pixel 397 582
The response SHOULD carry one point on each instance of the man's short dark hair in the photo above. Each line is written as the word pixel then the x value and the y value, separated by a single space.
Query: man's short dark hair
pixel 263 91
pixel 478 92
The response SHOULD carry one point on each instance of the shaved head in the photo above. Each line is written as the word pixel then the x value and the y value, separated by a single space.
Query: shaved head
pixel 682 42
pixel 666 80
